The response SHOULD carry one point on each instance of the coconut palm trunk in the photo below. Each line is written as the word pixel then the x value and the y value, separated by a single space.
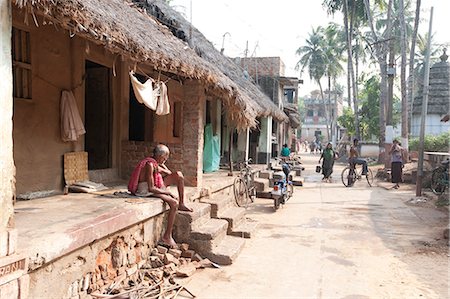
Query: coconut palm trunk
pixel 350 69
pixel 411 61
pixel 403 49
pixel 381 49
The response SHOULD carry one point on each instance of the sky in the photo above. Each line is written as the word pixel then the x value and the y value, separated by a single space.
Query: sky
pixel 279 28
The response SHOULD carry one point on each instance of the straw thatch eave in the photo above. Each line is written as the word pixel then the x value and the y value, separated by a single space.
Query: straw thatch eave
pixel 126 31
pixel 184 30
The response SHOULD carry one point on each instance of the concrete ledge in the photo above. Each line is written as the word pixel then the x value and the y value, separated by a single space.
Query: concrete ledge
pixel 52 227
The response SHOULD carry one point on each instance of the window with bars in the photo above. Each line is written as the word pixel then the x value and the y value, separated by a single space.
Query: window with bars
pixel 21 54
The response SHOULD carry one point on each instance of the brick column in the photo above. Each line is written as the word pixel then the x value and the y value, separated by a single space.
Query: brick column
pixel 193 111
pixel 13 282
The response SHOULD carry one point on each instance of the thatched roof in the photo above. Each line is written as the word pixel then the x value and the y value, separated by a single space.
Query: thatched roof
pixel 184 30
pixel 124 30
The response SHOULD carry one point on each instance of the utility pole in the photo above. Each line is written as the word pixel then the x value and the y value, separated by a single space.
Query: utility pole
pixel 426 87
pixel 223 42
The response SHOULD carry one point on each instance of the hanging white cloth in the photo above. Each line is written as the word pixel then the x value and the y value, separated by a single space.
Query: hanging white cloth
pixel 71 124
pixel 160 93
pixel 151 94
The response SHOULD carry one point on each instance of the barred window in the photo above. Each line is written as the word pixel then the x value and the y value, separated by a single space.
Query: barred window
pixel 21 55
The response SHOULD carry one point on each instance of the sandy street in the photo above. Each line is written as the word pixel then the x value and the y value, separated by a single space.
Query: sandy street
pixel 329 241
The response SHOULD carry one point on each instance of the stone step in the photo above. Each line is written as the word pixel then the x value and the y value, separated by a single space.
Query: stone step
pixel 298 181
pixel 233 215
pixel 264 194
pixel 185 221
pixel 219 203
pixel 212 229
pixel 266 174
pixel 245 229
pixel 203 238
pixel 261 184
pixel 226 251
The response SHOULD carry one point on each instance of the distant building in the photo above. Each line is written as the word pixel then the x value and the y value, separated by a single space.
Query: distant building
pixel 268 73
pixel 315 122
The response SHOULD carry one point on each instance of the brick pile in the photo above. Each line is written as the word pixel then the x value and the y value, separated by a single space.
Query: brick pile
pixel 131 268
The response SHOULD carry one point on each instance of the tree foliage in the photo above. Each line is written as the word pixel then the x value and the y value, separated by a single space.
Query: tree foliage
pixel 432 143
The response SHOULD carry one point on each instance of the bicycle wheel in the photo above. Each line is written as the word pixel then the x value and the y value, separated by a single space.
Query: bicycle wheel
pixel 348 177
pixel 369 177
pixel 240 192
pixel 438 181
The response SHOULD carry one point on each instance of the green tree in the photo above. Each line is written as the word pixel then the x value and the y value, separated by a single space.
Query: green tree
pixel 313 56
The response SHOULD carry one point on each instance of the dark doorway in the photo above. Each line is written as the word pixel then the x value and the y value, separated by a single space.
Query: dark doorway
pixel 98 116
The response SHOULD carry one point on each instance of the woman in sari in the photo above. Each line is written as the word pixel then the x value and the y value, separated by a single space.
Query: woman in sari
pixel 328 156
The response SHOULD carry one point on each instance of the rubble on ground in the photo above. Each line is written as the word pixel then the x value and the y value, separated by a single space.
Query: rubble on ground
pixel 149 278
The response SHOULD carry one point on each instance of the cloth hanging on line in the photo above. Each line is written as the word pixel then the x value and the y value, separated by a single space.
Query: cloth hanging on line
pixel 152 94
pixel 71 124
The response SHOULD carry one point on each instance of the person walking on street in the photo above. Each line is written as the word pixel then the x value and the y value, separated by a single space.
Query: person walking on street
pixel 328 156
pixel 396 153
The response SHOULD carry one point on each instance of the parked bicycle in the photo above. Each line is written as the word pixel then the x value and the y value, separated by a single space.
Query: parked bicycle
pixel 244 187
pixel 440 178
pixel 350 175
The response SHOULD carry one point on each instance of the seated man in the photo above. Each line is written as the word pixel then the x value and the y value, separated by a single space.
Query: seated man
pixel 285 152
pixel 150 178
pixel 354 157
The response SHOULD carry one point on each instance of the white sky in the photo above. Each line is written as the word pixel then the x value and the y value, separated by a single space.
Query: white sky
pixel 279 28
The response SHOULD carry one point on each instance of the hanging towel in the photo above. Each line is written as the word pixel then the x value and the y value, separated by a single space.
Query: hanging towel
pixel 144 92
pixel 71 124
pixel 160 94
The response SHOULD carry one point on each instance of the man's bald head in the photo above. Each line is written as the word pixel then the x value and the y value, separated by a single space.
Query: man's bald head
pixel 160 150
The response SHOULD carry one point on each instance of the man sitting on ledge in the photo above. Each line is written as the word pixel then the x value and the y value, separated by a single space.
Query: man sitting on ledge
pixel 150 178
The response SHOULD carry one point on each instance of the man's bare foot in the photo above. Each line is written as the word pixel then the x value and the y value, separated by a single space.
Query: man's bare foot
pixel 168 242
pixel 184 208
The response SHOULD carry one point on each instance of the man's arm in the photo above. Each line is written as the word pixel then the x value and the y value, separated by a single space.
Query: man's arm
pixel 151 182
pixel 164 170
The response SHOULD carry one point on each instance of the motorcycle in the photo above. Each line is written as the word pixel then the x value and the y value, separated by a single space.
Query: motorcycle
pixel 282 187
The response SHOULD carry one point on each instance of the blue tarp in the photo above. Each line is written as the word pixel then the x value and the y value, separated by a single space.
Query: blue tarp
pixel 211 151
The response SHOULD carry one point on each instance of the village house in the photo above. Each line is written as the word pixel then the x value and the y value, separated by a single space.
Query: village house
pixel 268 73
pixel 84 51
pixel 251 142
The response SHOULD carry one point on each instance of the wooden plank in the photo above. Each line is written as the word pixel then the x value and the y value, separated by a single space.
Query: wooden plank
pixel 25 92
pixel 23 46
pixel 22 65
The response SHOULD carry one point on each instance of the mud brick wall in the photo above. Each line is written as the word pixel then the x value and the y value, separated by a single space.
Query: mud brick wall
pixel 92 267
pixel 193 110
pixel 135 151
pixel 186 156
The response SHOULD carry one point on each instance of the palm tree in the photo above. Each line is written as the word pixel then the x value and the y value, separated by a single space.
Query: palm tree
pixel 314 58
pixel 354 16
pixel 411 58
pixel 334 49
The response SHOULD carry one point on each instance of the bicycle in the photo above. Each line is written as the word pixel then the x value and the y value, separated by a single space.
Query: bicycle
pixel 350 175
pixel 440 178
pixel 243 186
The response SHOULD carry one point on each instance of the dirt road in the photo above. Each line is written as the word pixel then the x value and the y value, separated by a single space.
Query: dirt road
pixel 329 241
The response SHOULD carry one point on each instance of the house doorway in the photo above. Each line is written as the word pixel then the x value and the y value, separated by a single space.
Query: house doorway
pixel 98 116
